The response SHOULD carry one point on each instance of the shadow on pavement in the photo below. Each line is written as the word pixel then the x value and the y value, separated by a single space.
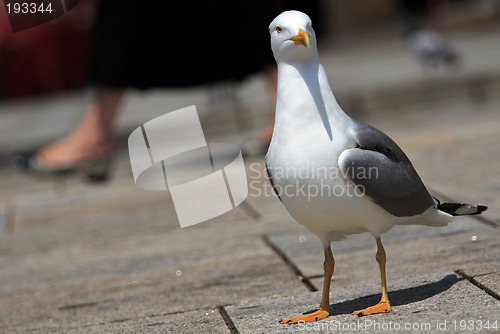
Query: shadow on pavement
pixel 399 297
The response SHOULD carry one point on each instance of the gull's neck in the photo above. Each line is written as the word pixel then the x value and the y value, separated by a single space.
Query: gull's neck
pixel 305 97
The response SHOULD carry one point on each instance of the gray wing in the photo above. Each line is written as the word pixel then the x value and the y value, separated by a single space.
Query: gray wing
pixel 383 171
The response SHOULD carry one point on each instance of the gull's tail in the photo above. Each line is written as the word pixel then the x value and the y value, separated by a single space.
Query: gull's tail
pixel 443 215
pixel 461 209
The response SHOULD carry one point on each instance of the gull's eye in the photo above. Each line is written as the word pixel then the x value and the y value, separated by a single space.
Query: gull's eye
pixel 278 29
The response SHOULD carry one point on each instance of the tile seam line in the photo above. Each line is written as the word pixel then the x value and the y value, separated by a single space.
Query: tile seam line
pixel 87 325
pixel 478 284
pixel 304 279
pixel 227 319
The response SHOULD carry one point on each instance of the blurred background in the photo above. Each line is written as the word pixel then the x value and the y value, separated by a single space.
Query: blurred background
pixel 53 57
pixel 367 48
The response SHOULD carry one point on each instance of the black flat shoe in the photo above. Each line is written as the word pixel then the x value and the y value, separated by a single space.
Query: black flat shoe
pixel 95 171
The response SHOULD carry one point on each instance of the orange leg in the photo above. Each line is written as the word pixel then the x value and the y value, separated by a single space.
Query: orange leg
pixel 324 308
pixel 383 306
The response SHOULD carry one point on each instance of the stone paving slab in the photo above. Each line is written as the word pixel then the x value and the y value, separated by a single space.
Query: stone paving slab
pixel 200 321
pixel 411 259
pixel 417 301
pixel 355 264
pixel 307 243
pixel 87 261
pixel 485 275
pixel 112 258
pixel 115 298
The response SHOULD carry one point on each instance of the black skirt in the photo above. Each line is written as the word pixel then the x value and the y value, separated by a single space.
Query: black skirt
pixel 145 44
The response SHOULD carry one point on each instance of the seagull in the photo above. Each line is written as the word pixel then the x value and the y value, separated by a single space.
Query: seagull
pixel 337 176
pixel 432 49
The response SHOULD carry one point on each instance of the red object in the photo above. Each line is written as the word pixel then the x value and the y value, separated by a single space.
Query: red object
pixel 50 57
pixel 433 5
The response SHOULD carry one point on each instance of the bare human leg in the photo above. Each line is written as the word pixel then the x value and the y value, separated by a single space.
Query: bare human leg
pixel 92 138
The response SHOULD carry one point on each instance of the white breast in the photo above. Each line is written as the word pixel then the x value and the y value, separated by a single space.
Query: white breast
pixel 303 160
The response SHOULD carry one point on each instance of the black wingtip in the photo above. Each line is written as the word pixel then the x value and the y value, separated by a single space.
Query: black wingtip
pixel 481 208
pixel 461 209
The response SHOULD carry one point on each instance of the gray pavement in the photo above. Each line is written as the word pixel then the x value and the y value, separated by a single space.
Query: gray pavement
pixel 82 258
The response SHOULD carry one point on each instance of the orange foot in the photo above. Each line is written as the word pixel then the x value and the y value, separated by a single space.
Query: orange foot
pixel 381 307
pixel 314 316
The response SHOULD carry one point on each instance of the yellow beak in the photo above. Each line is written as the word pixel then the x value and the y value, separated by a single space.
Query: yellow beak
pixel 301 38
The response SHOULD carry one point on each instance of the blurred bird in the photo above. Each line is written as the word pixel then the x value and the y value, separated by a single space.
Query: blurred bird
pixel 337 176
pixel 431 48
